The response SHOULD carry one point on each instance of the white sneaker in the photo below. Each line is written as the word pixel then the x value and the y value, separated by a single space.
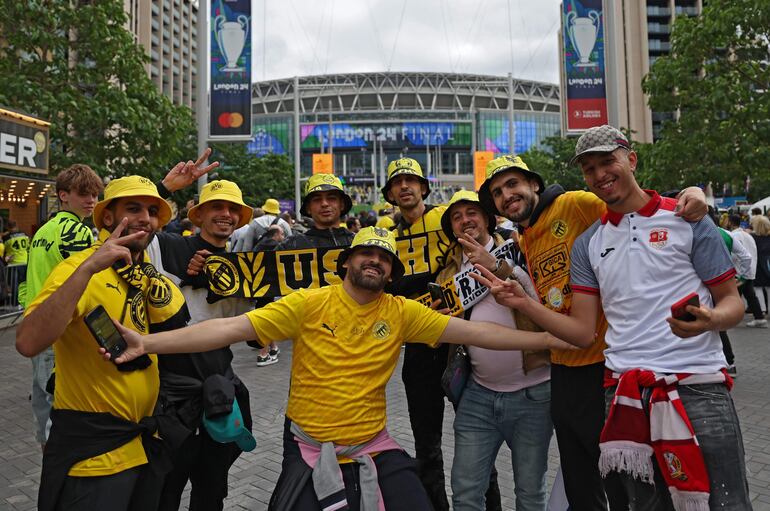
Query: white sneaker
pixel 757 323
pixel 266 361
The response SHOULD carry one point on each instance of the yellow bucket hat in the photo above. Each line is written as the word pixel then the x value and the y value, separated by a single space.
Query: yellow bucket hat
pixel 373 237
pixel 131 186
pixel 323 183
pixel 271 207
pixel 504 164
pixel 404 166
pixel 465 196
pixel 222 190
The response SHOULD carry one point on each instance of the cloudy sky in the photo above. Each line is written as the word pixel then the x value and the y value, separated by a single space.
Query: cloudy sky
pixel 303 37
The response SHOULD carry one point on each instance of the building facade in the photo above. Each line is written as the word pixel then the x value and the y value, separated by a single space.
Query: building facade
pixel 638 33
pixel 167 29
pixel 440 119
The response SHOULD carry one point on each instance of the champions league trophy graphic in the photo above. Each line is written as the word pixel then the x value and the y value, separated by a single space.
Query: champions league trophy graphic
pixel 231 38
pixel 583 32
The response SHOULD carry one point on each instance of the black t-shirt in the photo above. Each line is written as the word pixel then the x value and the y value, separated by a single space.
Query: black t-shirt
pixel 176 252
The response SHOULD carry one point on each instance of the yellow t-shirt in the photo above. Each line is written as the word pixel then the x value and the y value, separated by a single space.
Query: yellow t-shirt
pixel 344 355
pixel 386 222
pixel 87 383
pixel 547 246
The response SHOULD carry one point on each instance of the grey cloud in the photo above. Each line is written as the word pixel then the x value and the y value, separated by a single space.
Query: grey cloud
pixel 357 39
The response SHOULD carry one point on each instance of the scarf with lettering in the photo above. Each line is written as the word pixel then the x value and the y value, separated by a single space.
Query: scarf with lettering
pixel 630 437
pixel 153 301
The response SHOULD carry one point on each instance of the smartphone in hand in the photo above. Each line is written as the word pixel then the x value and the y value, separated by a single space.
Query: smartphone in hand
pixel 436 293
pixel 679 311
pixel 103 329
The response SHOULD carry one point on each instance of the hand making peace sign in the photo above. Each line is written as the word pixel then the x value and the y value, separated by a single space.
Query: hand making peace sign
pixel 476 253
pixel 184 174
pixel 113 249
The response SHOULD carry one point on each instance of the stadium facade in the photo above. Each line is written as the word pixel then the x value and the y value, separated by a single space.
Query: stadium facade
pixel 440 119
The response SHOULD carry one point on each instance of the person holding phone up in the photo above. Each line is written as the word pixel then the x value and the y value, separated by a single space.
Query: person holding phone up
pixel 671 438
pixel 101 452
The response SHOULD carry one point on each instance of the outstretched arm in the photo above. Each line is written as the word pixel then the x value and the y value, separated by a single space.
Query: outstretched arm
pixel 496 337
pixel 205 336
pixel 578 328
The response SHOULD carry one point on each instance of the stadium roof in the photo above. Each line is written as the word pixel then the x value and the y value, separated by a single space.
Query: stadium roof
pixel 402 92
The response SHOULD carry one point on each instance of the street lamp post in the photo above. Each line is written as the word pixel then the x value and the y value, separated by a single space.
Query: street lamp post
pixel 297 199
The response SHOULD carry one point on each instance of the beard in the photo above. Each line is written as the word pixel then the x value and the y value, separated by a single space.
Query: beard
pixel 525 212
pixel 136 246
pixel 370 283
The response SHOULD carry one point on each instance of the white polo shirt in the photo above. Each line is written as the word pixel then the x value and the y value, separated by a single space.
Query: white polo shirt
pixel 642 263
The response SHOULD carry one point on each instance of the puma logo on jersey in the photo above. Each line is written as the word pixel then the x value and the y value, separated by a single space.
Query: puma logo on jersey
pixel 324 325
pixel 113 286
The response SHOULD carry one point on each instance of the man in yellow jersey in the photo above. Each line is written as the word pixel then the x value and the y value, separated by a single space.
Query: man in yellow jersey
pixel 347 340
pixel 422 247
pixel 16 244
pixel 77 189
pixel 101 437
pixel 549 220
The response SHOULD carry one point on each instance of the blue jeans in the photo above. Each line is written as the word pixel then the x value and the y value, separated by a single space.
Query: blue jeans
pixel 713 417
pixel 42 367
pixel 484 420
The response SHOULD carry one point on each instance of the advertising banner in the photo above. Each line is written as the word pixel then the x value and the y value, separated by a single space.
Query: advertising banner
pixel 323 164
pixel 391 135
pixel 480 160
pixel 230 69
pixel 24 142
pixel 584 67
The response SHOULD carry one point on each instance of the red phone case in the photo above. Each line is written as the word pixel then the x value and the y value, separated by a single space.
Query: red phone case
pixel 678 310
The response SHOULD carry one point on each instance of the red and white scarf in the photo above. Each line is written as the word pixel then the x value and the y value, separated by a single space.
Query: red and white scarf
pixel 630 437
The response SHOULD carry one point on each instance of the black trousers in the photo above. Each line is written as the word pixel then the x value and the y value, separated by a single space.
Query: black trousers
pixel 727 348
pixel 577 410
pixel 205 463
pixel 748 292
pixel 422 370
pixel 111 492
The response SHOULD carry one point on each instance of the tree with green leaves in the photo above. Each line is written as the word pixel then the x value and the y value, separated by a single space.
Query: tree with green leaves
pixel 717 81
pixel 259 177
pixel 551 161
pixel 74 63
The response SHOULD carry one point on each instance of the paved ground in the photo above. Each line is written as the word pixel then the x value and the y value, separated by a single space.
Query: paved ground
pixel 253 476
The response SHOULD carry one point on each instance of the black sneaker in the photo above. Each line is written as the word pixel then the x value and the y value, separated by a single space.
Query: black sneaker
pixel 274 352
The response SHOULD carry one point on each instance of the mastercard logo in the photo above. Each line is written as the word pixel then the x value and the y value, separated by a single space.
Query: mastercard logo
pixel 230 120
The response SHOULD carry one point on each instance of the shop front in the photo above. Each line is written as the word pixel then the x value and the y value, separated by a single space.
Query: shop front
pixel 27 195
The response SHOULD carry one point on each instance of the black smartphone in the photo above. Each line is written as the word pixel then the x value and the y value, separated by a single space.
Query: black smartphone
pixel 103 329
pixel 679 311
pixel 436 293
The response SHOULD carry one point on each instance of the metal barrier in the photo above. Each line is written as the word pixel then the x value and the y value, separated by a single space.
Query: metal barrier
pixel 14 283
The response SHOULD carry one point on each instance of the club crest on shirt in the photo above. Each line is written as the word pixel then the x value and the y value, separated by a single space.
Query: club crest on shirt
pixel 674 465
pixel 555 298
pixel 138 312
pixel 381 330
pixel 658 237
pixel 559 228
